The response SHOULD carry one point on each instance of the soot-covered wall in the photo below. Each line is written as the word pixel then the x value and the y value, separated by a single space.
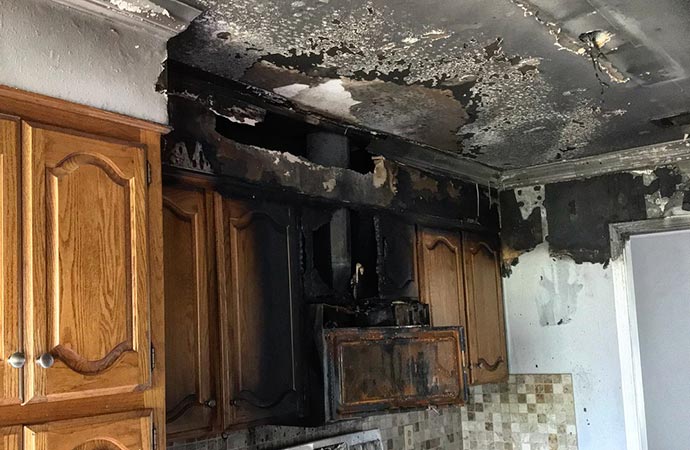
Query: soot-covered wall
pixel 559 294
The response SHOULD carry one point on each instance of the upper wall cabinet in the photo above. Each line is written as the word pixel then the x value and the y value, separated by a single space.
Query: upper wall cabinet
pixel 460 280
pixel 259 312
pixel 189 300
pixel 11 354
pixel 86 280
pixel 396 265
pixel 441 276
pixel 487 340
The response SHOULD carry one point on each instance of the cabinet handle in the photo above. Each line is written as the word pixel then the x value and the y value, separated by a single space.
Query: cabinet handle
pixel 17 360
pixel 46 361
pixel 484 364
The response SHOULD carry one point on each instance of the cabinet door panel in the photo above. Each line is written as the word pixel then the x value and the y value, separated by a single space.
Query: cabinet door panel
pixel 126 431
pixel 188 270
pixel 11 438
pixel 396 262
pixel 9 258
pixel 486 327
pixel 259 318
pixel 85 259
pixel 441 277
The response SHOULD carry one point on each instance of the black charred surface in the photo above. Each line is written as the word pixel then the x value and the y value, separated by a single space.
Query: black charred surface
pixel 579 214
pixel 519 235
pixel 417 195
pixel 666 181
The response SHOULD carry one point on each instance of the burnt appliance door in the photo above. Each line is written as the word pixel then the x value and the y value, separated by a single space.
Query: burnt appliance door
pixel 390 368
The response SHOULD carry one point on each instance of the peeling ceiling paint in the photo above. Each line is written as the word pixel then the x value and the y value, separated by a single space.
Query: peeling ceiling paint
pixel 509 83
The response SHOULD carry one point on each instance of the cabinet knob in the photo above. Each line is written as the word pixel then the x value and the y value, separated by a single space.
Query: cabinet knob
pixel 46 360
pixel 17 360
pixel 210 403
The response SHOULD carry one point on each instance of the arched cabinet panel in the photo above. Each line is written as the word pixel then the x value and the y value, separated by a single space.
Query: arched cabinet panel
pixel 85 261
pixel 259 316
pixel 487 343
pixel 461 282
pixel 125 431
pixel 189 271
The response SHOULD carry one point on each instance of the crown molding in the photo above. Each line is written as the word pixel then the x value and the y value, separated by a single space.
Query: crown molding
pixel 175 16
pixel 656 155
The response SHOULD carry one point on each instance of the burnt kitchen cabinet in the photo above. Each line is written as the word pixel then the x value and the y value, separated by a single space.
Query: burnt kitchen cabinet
pixel 460 280
pixel 377 369
pixel 396 262
pixel 259 311
pixel 190 304
pixel 485 316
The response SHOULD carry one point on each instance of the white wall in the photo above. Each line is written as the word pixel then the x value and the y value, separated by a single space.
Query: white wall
pixel 53 50
pixel 543 291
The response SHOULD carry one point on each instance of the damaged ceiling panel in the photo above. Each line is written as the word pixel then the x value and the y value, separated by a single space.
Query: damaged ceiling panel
pixel 507 83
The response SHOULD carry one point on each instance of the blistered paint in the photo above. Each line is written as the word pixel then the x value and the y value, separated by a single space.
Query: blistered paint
pixel 329 97
pixel 140 7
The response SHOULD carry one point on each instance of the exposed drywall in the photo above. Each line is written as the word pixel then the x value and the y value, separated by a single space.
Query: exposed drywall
pixel 561 319
pixel 53 50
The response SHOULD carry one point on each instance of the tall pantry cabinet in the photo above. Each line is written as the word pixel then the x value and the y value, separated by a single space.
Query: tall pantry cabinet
pixel 81 280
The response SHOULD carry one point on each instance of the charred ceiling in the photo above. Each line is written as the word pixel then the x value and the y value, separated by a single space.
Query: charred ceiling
pixel 507 83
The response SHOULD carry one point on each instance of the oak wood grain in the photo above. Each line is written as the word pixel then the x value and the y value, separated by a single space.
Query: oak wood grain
pixel 32 106
pixel 85 259
pixel 10 274
pixel 11 438
pixel 154 397
pixel 259 319
pixel 124 431
pixel 485 317
pixel 442 284
pixel 189 269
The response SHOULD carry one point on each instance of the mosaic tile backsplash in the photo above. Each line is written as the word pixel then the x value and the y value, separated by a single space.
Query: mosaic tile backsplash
pixel 529 412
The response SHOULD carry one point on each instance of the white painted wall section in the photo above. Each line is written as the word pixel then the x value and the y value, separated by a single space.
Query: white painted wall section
pixel 53 50
pixel 561 318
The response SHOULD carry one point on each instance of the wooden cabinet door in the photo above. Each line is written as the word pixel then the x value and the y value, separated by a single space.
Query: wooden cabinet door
pixel 189 270
pixel 442 284
pixel 260 315
pixel 11 438
pixel 86 297
pixel 10 275
pixel 485 321
pixel 125 431
pixel 378 369
pixel 396 261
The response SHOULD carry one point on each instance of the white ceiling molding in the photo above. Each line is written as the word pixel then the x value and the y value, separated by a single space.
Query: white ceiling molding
pixel 656 155
pixel 165 18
